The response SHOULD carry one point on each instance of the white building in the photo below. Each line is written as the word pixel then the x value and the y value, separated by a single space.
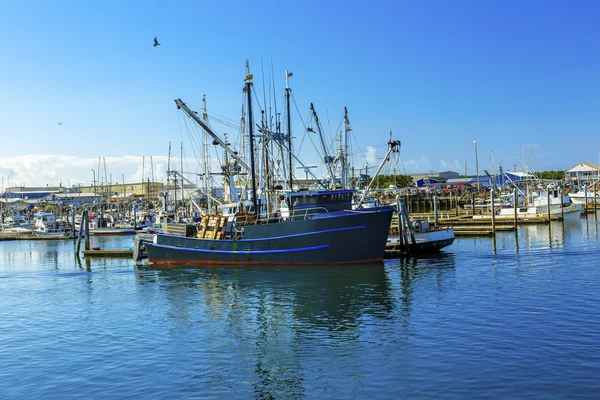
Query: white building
pixel 583 173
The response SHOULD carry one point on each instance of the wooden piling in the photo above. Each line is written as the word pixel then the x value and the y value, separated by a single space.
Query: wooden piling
pixel 516 204
pixel 548 201
pixel 436 210
pixel 493 212
pixel 83 219
pixel 86 221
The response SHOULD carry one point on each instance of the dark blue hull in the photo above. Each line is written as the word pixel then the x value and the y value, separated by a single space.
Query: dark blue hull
pixel 329 238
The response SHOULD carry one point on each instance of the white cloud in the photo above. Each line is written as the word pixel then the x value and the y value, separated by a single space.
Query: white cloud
pixel 54 170
pixel 371 155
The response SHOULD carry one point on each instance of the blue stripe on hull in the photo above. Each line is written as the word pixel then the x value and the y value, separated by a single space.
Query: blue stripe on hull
pixel 296 235
pixel 243 252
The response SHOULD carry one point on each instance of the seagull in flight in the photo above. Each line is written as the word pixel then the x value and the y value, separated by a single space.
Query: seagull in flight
pixel 156 42
pixel 60 123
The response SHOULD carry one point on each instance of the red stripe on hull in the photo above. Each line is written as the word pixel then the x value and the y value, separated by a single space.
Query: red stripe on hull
pixel 220 263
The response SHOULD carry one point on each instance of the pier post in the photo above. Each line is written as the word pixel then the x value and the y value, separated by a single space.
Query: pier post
pixel 86 221
pixel 493 212
pixel 473 202
pixel 562 207
pixel 548 201
pixel 401 241
pixel 586 200
pixel 83 219
pixel 595 202
pixel 436 209
pixel 516 204
pixel 73 220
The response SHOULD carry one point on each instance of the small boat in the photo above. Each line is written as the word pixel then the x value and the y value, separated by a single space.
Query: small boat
pixel 541 204
pixel 16 224
pixel 48 225
pixel 579 196
pixel 416 237
pixel 108 225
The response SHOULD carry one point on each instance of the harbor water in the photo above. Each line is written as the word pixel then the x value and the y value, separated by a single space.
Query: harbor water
pixel 517 316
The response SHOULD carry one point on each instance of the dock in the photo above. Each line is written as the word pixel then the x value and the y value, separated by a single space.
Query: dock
pixel 108 253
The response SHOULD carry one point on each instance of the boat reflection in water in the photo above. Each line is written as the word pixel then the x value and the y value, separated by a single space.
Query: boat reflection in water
pixel 275 327
pixel 262 325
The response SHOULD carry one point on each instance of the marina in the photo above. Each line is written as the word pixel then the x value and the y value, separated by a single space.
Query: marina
pixel 315 200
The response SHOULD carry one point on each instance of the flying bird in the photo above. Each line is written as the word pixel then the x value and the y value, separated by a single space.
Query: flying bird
pixel 60 123
pixel 156 42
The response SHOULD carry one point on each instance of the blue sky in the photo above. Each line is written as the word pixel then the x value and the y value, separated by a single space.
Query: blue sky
pixel 520 78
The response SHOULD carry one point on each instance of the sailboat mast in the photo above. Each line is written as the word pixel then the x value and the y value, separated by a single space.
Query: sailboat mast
pixel 251 135
pixel 289 123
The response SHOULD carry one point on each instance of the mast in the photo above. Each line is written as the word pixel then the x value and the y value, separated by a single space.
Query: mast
pixel 168 179
pixel 152 170
pixel 344 155
pixel 251 134
pixel 206 151
pixel 289 123
pixel 327 158
pixel 182 189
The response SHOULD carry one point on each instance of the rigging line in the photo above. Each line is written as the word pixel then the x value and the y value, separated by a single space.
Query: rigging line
pixel 254 92
pixel 193 146
pixel 227 124
pixel 306 131
pixel 223 117
pixel 190 136
pixel 402 162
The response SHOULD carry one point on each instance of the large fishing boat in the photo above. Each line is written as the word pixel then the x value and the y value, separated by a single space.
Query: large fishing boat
pixel 317 227
pixel 326 237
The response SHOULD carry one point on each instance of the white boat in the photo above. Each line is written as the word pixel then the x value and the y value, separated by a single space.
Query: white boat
pixel 540 204
pixel 579 196
pixel 526 211
pixel 556 204
pixel 15 224
pixel 48 225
